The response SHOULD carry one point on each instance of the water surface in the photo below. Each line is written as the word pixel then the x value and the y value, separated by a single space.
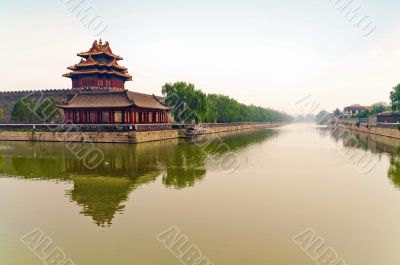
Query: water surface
pixel 289 179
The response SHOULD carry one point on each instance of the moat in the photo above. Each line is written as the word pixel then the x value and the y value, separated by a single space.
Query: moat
pixel 289 179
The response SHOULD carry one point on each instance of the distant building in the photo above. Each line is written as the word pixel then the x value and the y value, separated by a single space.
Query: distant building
pixel 354 110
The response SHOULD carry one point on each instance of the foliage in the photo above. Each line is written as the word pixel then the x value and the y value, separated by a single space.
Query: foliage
pixel 213 108
pixel 25 110
pixel 1 114
pixel 395 98
pixel 47 110
pixel 223 109
pixel 376 109
pixel 21 111
pixel 189 103
pixel 364 114
pixel 337 112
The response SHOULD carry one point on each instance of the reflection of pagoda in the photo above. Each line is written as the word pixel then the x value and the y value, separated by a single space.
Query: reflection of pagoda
pixel 98 83
pixel 99 69
pixel 102 192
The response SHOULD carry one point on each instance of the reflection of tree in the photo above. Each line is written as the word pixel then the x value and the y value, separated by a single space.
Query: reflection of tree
pixel 394 169
pixel 102 191
pixel 378 144
pixel 184 166
pixel 37 167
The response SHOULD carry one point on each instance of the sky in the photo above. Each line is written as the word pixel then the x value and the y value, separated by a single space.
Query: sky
pixel 270 53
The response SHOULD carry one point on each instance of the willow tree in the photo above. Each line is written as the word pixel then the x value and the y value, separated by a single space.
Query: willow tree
pixel 189 104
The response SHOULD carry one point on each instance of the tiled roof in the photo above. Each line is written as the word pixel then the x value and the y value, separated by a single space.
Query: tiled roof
pixel 100 48
pixel 99 60
pixel 99 100
pixel 146 101
pixel 350 108
pixel 114 99
pixel 106 72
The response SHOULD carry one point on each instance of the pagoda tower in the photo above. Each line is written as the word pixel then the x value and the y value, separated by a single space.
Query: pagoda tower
pixel 99 69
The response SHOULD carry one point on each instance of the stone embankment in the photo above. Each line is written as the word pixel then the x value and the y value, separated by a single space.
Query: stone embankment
pixel 388 130
pixel 120 136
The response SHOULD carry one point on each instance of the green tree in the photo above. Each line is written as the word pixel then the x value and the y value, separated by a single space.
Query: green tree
pixel 364 114
pixel 189 104
pixel 337 112
pixel 1 114
pixel 25 110
pixel 46 110
pixel 395 98
pixel 376 109
pixel 186 101
pixel 22 111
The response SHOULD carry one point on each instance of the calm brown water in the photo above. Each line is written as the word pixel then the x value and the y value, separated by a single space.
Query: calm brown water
pixel 289 179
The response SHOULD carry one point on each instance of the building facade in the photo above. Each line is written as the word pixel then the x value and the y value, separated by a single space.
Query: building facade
pixel 100 97
pixel 354 110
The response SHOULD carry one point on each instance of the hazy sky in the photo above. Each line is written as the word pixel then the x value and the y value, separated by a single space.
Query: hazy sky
pixel 268 53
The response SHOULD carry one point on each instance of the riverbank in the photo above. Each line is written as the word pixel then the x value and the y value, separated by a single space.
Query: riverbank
pixel 382 130
pixel 132 137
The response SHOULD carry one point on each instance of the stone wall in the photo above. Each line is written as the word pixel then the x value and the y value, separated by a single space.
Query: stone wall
pixel 238 127
pixel 8 99
pixel 117 137
pixel 377 130
pixel 141 137
pixel 94 137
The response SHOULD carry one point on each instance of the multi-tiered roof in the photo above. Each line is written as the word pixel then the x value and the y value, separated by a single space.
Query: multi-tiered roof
pixel 99 68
